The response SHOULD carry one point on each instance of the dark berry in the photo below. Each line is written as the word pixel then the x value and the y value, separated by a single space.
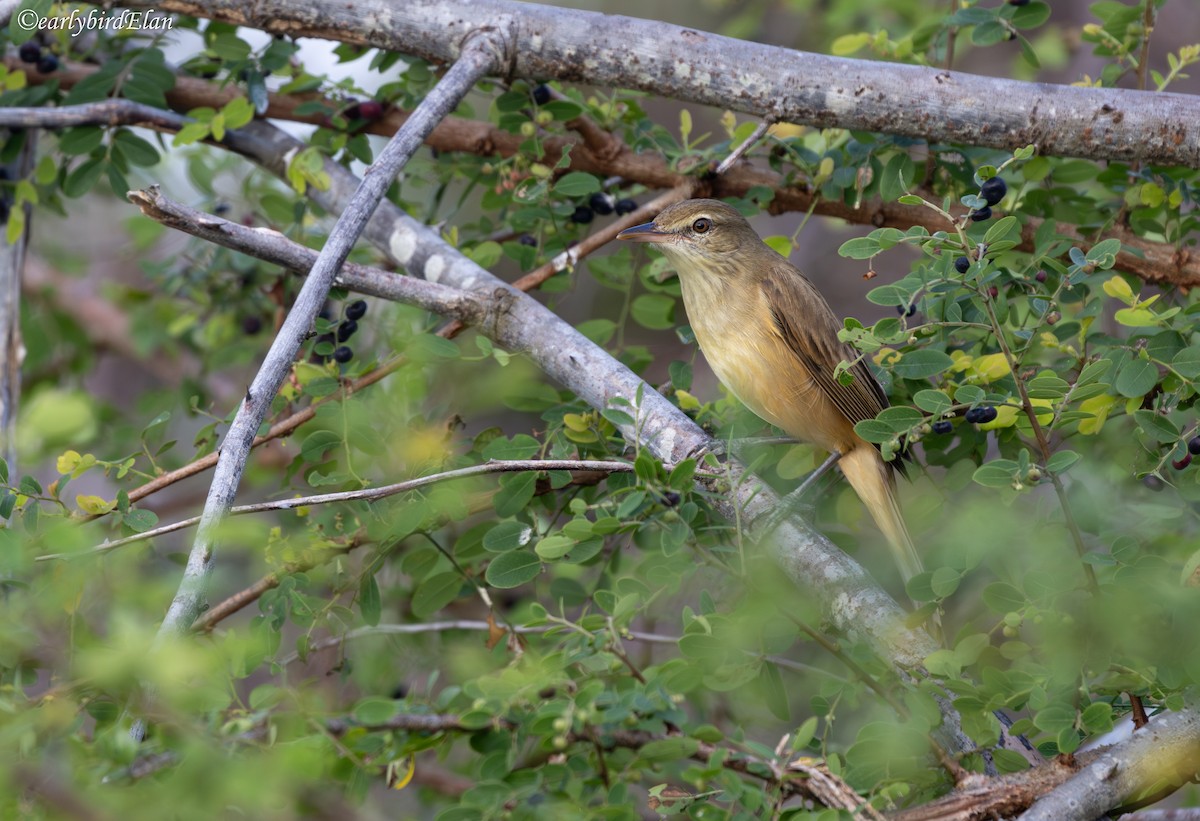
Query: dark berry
pixel 48 64
pixel 1194 446
pixel 251 325
pixel 626 207
pixel 29 52
pixel 906 310
pixel 583 215
pixel 368 110
pixel 989 414
pixel 670 499
pixel 5 211
pixel 1153 482
pixel 541 94
pixel 346 330
pixel 356 310
pixel 221 209
pixel 962 264
pixel 343 354
pixel 981 214
pixel 326 312
pixel 528 239
pixel 993 190
pixel 1018 2
pixel 1040 276
pixel 993 291
pixel 602 204
pixel 400 691
pixel 943 426
pixel 1182 461
pixel 981 415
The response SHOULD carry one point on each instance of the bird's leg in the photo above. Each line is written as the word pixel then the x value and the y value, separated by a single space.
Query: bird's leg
pixel 792 500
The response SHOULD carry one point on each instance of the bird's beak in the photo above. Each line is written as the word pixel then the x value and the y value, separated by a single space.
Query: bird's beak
pixel 646 232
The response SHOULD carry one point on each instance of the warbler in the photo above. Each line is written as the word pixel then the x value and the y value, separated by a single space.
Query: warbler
pixel 772 340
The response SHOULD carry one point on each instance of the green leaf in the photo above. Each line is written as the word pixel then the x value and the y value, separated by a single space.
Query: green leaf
pixel 1002 229
pixel 521 446
pixel 1137 378
pixel 1187 362
pixel 921 364
pixel 874 432
pixel 373 711
pixel 80 140
pixel 859 248
pixel 576 184
pixel 139 521
pixel 1097 370
pixel 1158 427
pixel 554 546
pixel 654 311
pixel 1032 15
pixel 675 748
pixel 513 569
pixel 1062 461
pixel 774 691
pixel 1097 718
pixel 1009 761
pixel 369 603
pixel 436 592
pixel 1002 597
pixel 935 402
pixel 998 473
pixel 83 177
pixel 316 443
pixel 1104 253
pixel 508 535
pixel 515 492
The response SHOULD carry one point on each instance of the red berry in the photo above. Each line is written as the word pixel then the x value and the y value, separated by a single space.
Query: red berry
pixel 1182 462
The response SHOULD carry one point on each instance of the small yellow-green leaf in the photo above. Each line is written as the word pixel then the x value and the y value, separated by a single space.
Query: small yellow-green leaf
pixel 780 244
pixel 1118 288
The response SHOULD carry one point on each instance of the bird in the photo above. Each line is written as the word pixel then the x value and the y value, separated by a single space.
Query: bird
pixel 771 338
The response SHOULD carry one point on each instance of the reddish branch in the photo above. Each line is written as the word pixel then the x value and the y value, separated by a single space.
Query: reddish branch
pixel 1155 262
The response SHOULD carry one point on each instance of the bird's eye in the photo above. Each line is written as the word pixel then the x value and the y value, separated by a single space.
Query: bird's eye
pixel 702 225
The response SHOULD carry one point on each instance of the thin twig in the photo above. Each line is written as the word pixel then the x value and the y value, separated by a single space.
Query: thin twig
pixel 746 145
pixel 371 494
pixel 478 57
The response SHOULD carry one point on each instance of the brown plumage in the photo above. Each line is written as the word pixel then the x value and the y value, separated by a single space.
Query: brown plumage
pixel 771 338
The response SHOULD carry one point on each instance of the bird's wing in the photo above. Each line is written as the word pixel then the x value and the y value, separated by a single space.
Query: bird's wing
pixel 807 325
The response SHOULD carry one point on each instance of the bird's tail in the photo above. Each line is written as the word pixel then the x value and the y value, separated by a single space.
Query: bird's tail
pixel 872 480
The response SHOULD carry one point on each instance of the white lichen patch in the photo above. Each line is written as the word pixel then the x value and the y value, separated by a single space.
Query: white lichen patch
pixel 402 245
pixel 434 267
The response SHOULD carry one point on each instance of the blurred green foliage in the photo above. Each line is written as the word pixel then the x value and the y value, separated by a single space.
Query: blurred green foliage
pixel 555 645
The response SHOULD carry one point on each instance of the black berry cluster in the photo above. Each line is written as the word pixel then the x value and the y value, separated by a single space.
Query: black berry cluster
pixel 342 332
pixel 31 52
pixel 981 415
pixel 602 204
pixel 992 191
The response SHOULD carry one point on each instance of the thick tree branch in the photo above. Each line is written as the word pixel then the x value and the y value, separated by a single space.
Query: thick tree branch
pixel 478 57
pixel 1163 755
pixel 1156 262
pixel 12 350
pixel 766 81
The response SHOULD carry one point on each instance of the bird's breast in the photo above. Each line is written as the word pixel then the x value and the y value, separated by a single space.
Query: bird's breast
pixel 737 334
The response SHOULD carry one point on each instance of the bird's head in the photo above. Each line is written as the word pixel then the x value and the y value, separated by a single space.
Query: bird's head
pixel 700 231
